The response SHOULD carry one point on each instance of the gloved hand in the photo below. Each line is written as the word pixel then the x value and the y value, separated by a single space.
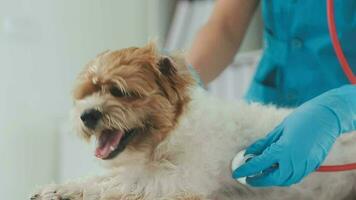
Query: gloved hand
pixel 302 141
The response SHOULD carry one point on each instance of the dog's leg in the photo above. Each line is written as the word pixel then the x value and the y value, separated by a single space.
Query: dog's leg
pixel 81 190
pixel 59 192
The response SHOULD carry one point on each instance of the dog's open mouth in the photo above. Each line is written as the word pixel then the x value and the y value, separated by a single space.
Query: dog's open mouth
pixel 112 142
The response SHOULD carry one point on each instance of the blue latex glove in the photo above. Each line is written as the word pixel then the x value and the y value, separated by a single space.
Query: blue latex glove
pixel 302 141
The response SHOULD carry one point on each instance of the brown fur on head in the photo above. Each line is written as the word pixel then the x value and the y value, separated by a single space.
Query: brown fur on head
pixel 135 91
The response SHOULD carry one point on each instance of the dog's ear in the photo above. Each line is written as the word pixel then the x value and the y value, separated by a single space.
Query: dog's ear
pixel 150 47
pixel 166 66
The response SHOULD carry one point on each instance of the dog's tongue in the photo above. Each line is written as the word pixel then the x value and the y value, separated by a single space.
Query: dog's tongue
pixel 107 143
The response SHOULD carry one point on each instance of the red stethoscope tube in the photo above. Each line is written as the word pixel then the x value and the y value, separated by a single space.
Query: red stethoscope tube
pixel 348 72
pixel 336 43
pixel 337 168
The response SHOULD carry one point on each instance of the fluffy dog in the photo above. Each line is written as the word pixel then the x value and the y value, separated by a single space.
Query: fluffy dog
pixel 166 138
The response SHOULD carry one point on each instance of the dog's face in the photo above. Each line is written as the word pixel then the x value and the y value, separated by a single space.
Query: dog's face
pixel 131 98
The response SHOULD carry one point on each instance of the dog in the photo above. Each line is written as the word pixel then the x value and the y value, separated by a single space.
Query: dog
pixel 165 138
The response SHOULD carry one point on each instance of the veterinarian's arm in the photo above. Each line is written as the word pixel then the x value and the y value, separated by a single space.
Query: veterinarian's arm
pixel 218 41
pixel 302 141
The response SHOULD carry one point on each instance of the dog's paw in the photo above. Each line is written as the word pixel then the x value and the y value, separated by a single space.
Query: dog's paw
pixel 57 192
pixel 47 196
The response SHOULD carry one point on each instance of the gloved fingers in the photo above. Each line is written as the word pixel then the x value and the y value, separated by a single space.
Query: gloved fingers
pixel 260 145
pixel 278 175
pixel 301 170
pixel 285 174
pixel 256 165
pixel 272 178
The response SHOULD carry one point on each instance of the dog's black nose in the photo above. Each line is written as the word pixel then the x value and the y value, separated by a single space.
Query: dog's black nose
pixel 91 118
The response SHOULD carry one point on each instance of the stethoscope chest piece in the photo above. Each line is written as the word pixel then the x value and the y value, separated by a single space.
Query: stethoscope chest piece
pixel 239 160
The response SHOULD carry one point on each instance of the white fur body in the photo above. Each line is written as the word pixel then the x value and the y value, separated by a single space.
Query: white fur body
pixel 194 161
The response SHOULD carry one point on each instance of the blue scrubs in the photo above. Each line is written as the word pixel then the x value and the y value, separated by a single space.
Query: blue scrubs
pixel 299 62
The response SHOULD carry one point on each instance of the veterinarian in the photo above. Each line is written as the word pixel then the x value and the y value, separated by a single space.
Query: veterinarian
pixel 298 68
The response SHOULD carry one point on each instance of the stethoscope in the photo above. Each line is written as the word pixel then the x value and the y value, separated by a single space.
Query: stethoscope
pixel 336 43
pixel 348 72
pixel 242 158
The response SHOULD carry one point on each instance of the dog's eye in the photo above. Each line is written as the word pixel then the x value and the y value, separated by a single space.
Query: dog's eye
pixel 116 92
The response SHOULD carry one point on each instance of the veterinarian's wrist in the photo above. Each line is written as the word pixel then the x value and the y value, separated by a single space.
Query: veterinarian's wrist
pixel 191 69
pixel 196 75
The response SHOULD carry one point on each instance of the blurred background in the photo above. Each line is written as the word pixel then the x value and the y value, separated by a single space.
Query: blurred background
pixel 43 46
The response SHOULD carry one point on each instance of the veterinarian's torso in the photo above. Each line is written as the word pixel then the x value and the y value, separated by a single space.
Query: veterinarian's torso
pixel 299 62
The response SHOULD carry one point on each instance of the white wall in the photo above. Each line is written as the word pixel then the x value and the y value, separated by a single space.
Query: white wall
pixel 43 44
